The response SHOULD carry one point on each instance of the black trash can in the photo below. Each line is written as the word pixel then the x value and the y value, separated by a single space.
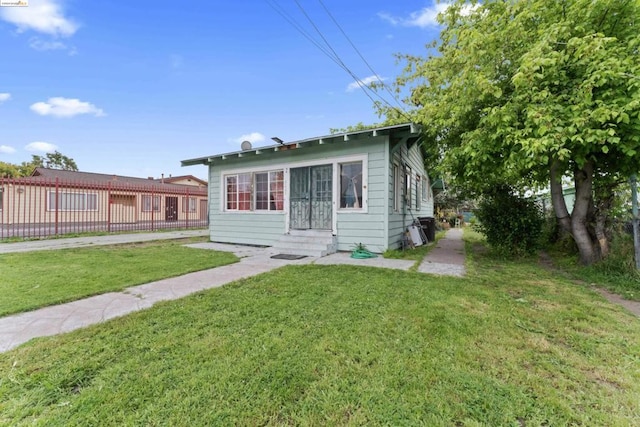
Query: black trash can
pixel 428 224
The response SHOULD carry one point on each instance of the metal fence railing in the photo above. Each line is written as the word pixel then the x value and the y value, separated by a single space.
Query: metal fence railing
pixel 37 207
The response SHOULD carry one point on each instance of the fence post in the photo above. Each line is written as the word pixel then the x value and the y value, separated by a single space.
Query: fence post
pixel 188 208
pixel 153 208
pixel 57 207
pixel 109 207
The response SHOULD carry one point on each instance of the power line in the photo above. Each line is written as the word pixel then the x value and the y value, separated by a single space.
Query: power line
pixel 330 52
pixel 377 76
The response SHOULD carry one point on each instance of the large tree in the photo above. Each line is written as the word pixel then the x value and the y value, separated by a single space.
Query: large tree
pixel 527 92
pixel 55 160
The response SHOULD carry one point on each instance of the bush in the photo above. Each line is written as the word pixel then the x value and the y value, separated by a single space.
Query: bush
pixel 511 224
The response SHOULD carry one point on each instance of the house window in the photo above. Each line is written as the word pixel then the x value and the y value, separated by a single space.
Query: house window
pixel 418 192
pixel 238 192
pixel 351 185
pixel 72 201
pixel 397 189
pixel 189 204
pixel 407 186
pixel 269 189
pixel 261 191
pixel 150 203
pixel 425 188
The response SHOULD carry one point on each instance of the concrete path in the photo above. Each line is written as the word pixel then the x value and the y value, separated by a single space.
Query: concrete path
pixel 446 258
pixel 111 239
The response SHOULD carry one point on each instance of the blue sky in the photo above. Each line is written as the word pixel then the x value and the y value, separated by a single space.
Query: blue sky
pixel 133 87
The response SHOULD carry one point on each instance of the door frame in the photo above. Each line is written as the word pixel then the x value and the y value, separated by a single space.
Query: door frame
pixel 335 163
pixel 328 167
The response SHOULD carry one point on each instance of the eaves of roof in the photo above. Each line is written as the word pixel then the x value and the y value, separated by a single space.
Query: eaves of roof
pixel 407 128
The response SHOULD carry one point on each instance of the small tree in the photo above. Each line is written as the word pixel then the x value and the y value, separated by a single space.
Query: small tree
pixel 511 224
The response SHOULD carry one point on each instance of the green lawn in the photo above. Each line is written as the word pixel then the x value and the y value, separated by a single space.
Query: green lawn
pixel 511 344
pixel 31 280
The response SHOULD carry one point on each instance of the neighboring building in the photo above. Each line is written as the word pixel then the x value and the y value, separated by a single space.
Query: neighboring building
pixel 184 180
pixel 356 187
pixel 52 201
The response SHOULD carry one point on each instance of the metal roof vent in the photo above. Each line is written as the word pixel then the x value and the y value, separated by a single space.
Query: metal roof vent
pixel 246 145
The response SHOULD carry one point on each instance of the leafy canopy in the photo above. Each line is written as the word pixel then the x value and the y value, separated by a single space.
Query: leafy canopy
pixel 513 86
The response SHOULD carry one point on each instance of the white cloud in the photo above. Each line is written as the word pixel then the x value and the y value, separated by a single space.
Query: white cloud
pixel 364 82
pixel 6 149
pixel 39 146
pixel 4 97
pixel 43 16
pixel 41 45
pixel 424 18
pixel 65 107
pixel 251 137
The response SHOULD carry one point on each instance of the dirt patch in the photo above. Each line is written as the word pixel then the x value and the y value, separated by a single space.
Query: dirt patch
pixel 633 306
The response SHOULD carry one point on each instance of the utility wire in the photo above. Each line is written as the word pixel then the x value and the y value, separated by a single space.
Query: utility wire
pixel 330 52
pixel 377 76
pixel 335 54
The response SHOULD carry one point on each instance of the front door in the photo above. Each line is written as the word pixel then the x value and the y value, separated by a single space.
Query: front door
pixel 311 198
pixel 170 208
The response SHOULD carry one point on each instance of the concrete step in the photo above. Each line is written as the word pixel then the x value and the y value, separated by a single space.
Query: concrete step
pixel 307 242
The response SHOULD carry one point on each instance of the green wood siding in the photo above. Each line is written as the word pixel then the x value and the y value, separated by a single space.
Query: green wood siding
pixel 399 220
pixel 379 227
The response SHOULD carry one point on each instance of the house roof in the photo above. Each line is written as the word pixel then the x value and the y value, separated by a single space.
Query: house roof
pixel 45 175
pixel 407 129
pixel 176 179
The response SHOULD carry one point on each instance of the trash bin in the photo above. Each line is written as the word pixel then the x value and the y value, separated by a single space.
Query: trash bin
pixel 428 224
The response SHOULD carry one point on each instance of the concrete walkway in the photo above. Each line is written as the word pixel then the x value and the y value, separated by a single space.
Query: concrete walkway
pixel 111 239
pixel 446 258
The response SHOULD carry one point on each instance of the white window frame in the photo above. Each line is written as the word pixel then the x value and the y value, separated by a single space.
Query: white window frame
pixel 362 187
pixel 407 186
pixel 418 192
pixel 398 182
pixel 251 173
pixel 269 191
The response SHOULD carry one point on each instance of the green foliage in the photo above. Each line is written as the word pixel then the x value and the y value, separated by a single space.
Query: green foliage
pixel 55 160
pixel 512 225
pixel 514 88
pixel 358 127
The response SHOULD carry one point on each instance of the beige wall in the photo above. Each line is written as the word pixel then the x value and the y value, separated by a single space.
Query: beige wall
pixel 28 204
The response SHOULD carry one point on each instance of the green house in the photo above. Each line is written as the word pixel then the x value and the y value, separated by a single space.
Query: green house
pixel 321 194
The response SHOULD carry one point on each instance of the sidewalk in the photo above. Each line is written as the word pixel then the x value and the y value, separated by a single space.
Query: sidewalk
pixel 446 258
pixel 111 239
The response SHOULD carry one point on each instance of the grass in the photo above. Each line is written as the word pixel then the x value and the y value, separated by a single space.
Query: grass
pixel 617 273
pixel 511 344
pixel 32 280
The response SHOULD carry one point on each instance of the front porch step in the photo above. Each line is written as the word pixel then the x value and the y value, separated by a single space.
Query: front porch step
pixel 307 242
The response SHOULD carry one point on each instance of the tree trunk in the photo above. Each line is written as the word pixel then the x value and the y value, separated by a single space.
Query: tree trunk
pixel 587 244
pixel 557 199
pixel 603 207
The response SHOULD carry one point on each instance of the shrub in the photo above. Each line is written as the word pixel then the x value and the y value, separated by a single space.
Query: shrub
pixel 511 224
